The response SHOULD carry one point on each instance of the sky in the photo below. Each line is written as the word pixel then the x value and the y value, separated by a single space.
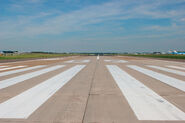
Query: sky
pixel 92 25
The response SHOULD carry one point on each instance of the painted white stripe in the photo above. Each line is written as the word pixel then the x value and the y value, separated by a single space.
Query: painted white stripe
pixel 122 61
pixel 11 68
pixel 50 59
pixel 2 66
pixel 84 61
pixel 24 104
pixel 173 62
pixel 98 57
pixel 106 60
pixel 22 61
pixel 21 78
pixel 146 104
pixel 30 61
pixel 168 70
pixel 116 61
pixel 71 61
pixel 78 61
pixel 20 70
pixel 176 67
pixel 176 83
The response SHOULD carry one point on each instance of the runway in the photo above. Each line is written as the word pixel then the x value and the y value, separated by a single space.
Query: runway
pixel 92 89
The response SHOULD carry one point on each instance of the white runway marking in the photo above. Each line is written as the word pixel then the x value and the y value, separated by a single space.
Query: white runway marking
pixel 176 67
pixel 11 68
pixel 146 104
pixel 173 62
pixel 30 61
pixel 24 104
pixel 50 59
pixel 179 84
pixel 107 60
pixel 98 57
pixel 85 61
pixel 78 61
pixel 2 66
pixel 18 79
pixel 116 61
pixel 20 70
pixel 71 61
pixel 168 70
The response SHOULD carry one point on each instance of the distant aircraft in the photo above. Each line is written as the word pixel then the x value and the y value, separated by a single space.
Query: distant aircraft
pixel 178 52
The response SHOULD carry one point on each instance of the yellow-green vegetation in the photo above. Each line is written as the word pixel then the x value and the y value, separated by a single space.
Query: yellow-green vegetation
pixel 32 55
pixel 171 56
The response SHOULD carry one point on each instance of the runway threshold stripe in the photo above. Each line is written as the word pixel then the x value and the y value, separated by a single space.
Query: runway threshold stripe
pixel 71 61
pixel 85 61
pixel 21 78
pixel 107 60
pixel 122 61
pixel 168 70
pixel 24 104
pixel 116 61
pixel 11 68
pixel 176 67
pixel 176 83
pixel 20 70
pixel 146 104
pixel 78 61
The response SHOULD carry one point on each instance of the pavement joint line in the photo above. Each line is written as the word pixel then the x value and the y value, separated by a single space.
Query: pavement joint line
pixel 92 80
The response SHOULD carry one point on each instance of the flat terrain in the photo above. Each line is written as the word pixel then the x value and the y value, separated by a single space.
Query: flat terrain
pixel 90 89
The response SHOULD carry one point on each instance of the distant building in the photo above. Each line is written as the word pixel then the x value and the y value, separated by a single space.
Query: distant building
pixel 1 53
pixel 8 52
pixel 157 53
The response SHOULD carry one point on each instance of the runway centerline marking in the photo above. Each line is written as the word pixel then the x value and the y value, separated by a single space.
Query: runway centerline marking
pixel 20 70
pixel 21 78
pixel 176 83
pixel 176 67
pixel 146 104
pixel 8 68
pixel 24 104
pixel 168 70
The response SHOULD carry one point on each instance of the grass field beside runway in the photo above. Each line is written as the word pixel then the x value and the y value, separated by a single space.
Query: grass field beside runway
pixel 32 55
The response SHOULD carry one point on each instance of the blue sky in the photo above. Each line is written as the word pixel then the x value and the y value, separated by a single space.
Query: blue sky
pixel 92 25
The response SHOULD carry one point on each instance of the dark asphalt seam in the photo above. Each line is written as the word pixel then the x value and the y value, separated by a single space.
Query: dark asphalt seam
pixel 97 62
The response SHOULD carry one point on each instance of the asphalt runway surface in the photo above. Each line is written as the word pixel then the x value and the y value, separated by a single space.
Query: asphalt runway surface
pixel 92 89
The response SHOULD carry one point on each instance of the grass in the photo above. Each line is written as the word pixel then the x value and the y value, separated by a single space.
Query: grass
pixel 32 55
pixel 170 56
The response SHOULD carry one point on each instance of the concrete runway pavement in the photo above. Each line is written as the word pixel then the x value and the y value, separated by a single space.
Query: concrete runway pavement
pixel 90 89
